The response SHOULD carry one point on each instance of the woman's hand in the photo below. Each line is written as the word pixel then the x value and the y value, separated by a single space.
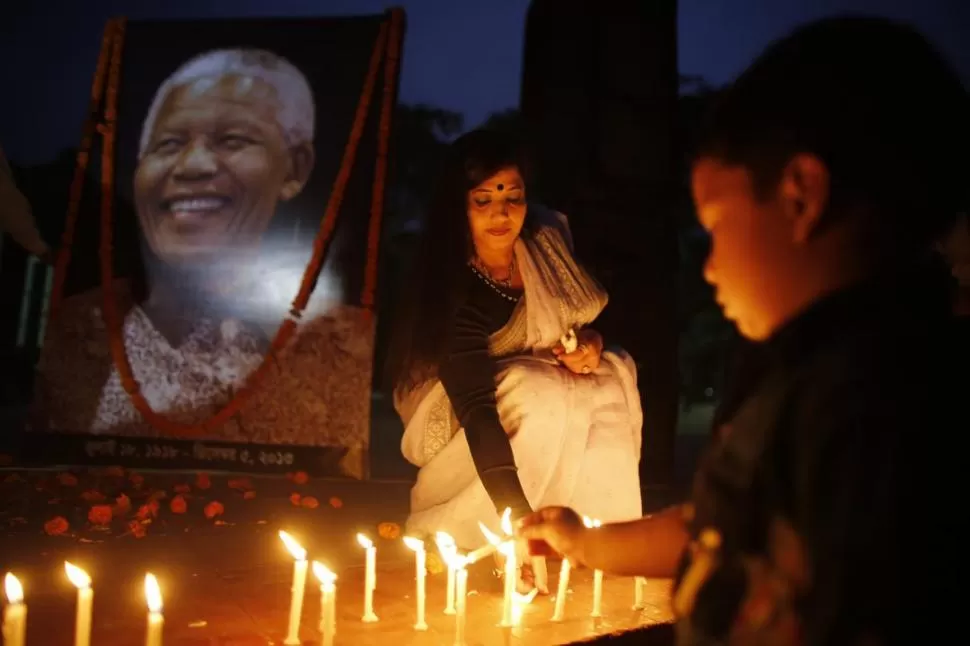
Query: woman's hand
pixel 586 357
pixel 557 528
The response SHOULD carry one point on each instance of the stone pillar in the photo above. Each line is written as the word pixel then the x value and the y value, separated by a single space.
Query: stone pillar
pixel 599 99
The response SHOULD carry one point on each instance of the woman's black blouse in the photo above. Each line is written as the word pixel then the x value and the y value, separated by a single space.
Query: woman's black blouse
pixel 468 376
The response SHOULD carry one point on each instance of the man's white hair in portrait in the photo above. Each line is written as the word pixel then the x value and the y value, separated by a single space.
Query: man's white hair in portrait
pixel 295 109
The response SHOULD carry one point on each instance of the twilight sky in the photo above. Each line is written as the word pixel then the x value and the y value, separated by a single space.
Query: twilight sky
pixel 463 55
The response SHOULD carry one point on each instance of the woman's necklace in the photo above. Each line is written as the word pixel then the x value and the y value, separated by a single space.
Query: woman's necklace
pixel 478 263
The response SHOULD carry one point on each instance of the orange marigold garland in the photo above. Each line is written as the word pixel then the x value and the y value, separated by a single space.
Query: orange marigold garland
pixel 286 330
pixel 380 167
pixel 80 166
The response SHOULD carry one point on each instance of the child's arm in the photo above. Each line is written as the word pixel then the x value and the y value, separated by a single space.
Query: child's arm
pixel 650 546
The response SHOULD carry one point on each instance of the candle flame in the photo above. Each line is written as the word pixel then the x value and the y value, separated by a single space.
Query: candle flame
pixel 153 593
pixel 519 601
pixel 591 522
pixel 492 537
pixel 323 574
pixel 446 544
pixel 364 541
pixel 15 591
pixel 294 548
pixel 455 561
pixel 415 544
pixel 507 521
pixel 78 577
pixel 506 547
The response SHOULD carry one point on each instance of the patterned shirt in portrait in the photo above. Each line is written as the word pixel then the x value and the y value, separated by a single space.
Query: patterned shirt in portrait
pixel 316 393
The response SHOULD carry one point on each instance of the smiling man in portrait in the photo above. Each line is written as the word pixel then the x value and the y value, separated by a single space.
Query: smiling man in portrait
pixel 227 140
pixel 228 137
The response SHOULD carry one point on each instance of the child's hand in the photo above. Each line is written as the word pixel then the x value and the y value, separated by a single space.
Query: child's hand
pixel 557 528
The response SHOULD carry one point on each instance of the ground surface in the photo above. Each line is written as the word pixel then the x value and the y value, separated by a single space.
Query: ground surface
pixel 226 577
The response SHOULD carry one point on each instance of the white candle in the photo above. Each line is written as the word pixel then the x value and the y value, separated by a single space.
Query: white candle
pixel 597 575
pixel 85 603
pixel 15 613
pixel 370 577
pixel 448 550
pixel 639 585
pixel 511 574
pixel 541 574
pixel 420 568
pixel 300 566
pixel 153 595
pixel 705 550
pixel 597 594
pixel 507 549
pixel 461 597
pixel 328 594
pixel 561 591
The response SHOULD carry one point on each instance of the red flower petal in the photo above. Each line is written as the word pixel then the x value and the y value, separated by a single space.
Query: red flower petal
pixel 56 526
pixel 214 509
pixel 178 505
pixel 100 515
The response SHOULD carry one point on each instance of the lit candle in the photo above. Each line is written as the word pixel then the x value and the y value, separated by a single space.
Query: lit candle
pixel 457 564
pixel 448 549
pixel 85 601
pixel 703 561
pixel 328 593
pixel 370 577
pixel 561 591
pixel 541 574
pixel 639 585
pixel 519 602
pixel 15 614
pixel 597 576
pixel 507 549
pixel 300 566
pixel 420 567
pixel 153 595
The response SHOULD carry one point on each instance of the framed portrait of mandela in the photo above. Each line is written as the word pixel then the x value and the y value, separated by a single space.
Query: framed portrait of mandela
pixel 215 306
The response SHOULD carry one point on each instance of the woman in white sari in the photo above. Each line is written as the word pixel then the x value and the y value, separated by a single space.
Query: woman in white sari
pixel 498 412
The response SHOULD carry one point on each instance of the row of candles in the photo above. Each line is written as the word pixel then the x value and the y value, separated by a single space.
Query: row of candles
pixel 15 612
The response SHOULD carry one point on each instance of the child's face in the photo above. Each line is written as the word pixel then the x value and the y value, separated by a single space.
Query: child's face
pixel 750 264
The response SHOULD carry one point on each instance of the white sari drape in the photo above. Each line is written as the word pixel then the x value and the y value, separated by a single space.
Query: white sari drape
pixel 575 438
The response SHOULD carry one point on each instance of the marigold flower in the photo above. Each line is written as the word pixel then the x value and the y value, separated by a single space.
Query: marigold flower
pixel 56 526
pixel 100 515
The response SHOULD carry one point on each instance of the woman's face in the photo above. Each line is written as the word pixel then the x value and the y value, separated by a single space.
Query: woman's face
pixel 496 212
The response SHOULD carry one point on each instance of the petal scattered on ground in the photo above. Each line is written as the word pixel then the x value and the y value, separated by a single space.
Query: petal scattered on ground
pixel 389 531
pixel 214 509
pixel 178 505
pixel 309 502
pixel 56 526
pixel 100 515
